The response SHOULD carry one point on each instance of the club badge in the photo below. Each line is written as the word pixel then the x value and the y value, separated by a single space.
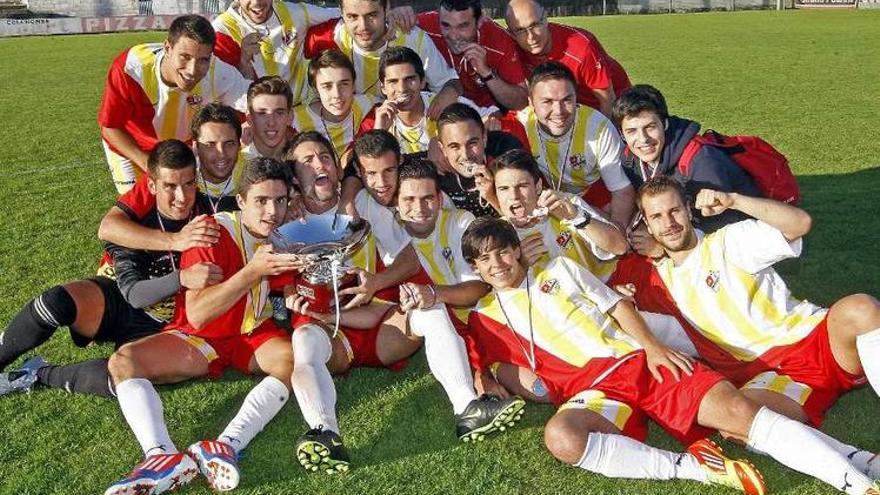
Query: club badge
pixel 550 286
pixel 712 280
pixel 563 239
pixel 194 100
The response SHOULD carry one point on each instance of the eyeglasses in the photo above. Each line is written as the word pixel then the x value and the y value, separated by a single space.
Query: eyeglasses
pixel 533 29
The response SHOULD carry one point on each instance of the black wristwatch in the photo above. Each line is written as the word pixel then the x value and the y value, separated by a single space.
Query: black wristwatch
pixel 486 79
pixel 582 219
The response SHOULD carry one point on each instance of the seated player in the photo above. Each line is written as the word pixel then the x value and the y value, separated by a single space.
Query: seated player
pixel 655 141
pixel 404 113
pixel 337 113
pixel 228 324
pixel 578 148
pixel 364 33
pixel 600 78
pixel 265 38
pixel 132 298
pixel 605 370
pixel 269 115
pixel 790 355
pixel 151 89
pixel 481 52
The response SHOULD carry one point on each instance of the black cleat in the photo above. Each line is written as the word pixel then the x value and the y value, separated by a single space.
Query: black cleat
pixel 486 415
pixel 322 450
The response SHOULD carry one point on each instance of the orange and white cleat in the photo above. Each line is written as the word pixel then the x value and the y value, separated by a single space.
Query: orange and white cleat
pixel 722 470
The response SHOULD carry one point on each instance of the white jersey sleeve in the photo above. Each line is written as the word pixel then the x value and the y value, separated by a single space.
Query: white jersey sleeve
pixel 483 111
pixel 464 270
pixel 754 245
pixel 389 234
pixel 230 86
pixel 314 14
pixel 602 296
pixel 608 149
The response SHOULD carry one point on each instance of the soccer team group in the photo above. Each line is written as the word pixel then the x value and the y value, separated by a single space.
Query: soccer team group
pixel 532 226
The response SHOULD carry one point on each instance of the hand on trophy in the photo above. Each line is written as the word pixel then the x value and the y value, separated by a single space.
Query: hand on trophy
pixel 300 304
pixel 363 292
pixel 267 262
pixel 416 296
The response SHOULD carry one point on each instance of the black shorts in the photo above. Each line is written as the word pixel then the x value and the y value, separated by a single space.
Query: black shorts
pixel 121 322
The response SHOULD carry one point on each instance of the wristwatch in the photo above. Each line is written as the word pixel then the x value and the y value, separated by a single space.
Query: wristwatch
pixel 486 79
pixel 581 220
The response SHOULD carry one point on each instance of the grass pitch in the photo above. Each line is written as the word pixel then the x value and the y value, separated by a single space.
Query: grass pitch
pixel 806 81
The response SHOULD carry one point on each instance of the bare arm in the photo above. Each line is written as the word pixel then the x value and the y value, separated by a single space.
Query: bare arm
pixel 465 294
pixel 126 145
pixel 606 100
pixel 623 203
pixel 792 221
pixel 116 227
pixel 632 323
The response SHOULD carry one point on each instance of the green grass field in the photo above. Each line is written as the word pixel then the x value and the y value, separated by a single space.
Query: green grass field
pixel 807 81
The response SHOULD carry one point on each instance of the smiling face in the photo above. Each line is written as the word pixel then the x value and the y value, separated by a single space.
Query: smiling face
pixel 645 135
pixel 269 117
pixel 403 86
pixel 263 207
pixel 463 143
pixel 380 176
pixel 419 204
pixel 669 221
pixel 517 193
pixel 458 27
pixel 555 104
pixel 175 191
pixel 257 11
pixel 528 26
pixel 217 148
pixel 500 267
pixel 185 63
pixel 365 21
pixel 335 86
pixel 315 170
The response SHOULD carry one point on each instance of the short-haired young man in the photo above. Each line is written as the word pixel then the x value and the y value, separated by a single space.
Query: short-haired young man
pixel 578 148
pixel 228 324
pixel 791 355
pixel 655 141
pixel 600 78
pixel 483 54
pixel 216 133
pixel 605 370
pixel 337 113
pixel 152 90
pixel 132 297
pixel 265 38
pixel 363 35
pixel 269 114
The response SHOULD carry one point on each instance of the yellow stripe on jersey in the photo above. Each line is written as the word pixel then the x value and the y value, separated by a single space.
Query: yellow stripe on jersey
pixel 571 158
pixel 170 117
pixel 781 384
pixel 765 306
pixel 366 64
pixel 366 257
pixel 148 79
pixel 341 134
pixel 231 26
pixel 594 400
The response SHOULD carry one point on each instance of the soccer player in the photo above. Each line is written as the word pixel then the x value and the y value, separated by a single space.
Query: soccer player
pixel 133 297
pixel 600 78
pixel 655 141
pixel 483 54
pixel 793 356
pixel 269 115
pixel 152 91
pixel 228 324
pixel 578 148
pixel 265 38
pixel 604 370
pixel 404 113
pixel 363 34
pixel 216 133
pixel 337 113
pixel 468 150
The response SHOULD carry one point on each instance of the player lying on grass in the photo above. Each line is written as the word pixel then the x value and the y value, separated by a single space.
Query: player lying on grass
pixel 133 297
pixel 605 370
pixel 789 355
pixel 373 335
pixel 228 324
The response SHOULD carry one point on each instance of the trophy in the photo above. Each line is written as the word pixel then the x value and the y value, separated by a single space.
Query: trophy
pixel 323 243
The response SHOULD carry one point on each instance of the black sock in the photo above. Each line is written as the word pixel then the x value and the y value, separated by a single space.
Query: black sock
pixel 35 323
pixel 87 377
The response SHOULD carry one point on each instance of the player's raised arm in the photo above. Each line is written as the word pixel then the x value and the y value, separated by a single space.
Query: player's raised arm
pixel 792 221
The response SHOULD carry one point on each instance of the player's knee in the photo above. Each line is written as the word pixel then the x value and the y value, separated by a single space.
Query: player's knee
pixel 860 312
pixel 122 365
pixel 743 410
pixel 55 307
pixel 564 442
pixel 310 344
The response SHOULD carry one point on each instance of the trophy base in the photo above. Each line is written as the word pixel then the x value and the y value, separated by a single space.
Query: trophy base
pixel 320 294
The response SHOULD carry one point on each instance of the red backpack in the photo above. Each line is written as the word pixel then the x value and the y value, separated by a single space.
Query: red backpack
pixel 768 167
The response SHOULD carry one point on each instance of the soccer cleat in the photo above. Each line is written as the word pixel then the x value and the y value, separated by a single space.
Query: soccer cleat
pixel 874 490
pixel 722 470
pixel 486 415
pixel 22 379
pixel 158 473
pixel 322 450
pixel 217 462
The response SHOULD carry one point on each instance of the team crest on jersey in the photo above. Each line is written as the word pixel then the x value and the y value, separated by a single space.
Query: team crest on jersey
pixel 577 161
pixel 712 280
pixel 563 239
pixel 289 38
pixel 194 100
pixel 550 286
pixel 447 253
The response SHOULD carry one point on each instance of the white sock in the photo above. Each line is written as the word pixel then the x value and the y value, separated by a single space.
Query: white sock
pixel 618 456
pixel 259 407
pixel 799 447
pixel 446 353
pixel 860 459
pixel 142 408
pixel 312 383
pixel 868 346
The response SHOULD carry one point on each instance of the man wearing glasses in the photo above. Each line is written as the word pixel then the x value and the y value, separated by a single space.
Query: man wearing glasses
pixel 600 79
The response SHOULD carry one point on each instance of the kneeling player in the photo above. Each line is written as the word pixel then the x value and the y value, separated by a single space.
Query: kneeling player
pixel 225 325
pixel 603 366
